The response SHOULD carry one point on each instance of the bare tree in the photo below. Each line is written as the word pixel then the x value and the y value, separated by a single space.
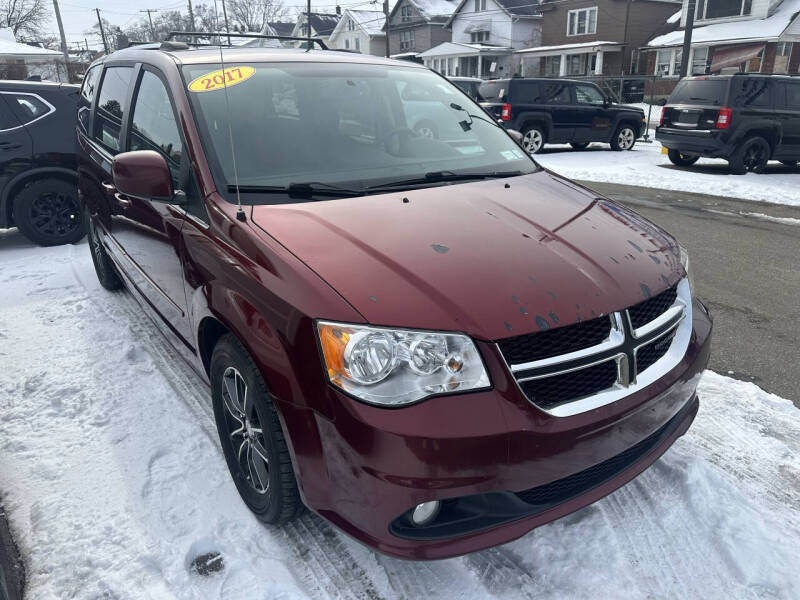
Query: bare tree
pixel 253 15
pixel 23 17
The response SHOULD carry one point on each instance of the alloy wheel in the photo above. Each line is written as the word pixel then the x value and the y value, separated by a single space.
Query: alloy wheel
pixel 426 132
pixel 626 138
pixel 55 214
pixel 755 157
pixel 245 431
pixel 532 140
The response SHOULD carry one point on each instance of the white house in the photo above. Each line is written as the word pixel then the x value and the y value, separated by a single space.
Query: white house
pixel 752 36
pixel 19 60
pixel 360 31
pixel 485 34
pixel 322 26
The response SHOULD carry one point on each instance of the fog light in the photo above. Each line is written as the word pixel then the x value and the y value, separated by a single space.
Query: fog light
pixel 425 513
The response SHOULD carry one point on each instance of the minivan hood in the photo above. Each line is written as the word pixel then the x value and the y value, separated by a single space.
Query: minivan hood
pixel 493 258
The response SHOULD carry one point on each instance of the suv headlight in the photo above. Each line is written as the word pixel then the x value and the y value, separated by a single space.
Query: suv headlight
pixel 392 367
pixel 687 267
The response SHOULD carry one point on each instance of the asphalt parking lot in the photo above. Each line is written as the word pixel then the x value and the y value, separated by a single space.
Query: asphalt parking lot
pixel 745 262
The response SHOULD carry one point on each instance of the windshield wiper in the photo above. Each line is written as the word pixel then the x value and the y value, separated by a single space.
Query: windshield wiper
pixel 467 125
pixel 298 190
pixel 442 177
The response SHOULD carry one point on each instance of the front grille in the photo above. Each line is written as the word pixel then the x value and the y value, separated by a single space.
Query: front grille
pixel 647 355
pixel 646 311
pixel 548 392
pixel 553 342
pixel 562 490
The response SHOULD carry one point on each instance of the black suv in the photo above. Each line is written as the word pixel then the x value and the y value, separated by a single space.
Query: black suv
pixel 560 111
pixel 38 164
pixel 745 119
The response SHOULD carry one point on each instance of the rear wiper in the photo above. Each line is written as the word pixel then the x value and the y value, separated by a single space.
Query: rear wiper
pixel 298 190
pixel 444 176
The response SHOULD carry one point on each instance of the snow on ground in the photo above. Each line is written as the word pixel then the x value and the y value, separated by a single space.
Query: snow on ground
pixel 646 166
pixel 114 481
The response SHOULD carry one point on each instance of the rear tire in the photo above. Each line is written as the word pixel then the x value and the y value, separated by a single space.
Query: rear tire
pixel 47 212
pixel 103 266
pixel 579 145
pixel 533 139
pixel 681 160
pixel 251 435
pixel 624 138
pixel 750 157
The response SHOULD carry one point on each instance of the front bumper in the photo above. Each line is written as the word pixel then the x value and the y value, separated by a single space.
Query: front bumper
pixel 492 455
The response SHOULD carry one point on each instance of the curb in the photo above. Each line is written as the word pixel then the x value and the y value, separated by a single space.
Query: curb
pixel 12 571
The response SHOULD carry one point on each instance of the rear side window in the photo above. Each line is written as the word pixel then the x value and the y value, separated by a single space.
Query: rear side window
pixel 28 107
pixel 704 92
pixel 494 91
pixel 111 107
pixel 153 126
pixel 557 93
pixel 752 93
pixel 527 92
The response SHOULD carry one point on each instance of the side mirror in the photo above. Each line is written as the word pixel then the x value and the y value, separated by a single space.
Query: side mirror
pixel 516 135
pixel 143 174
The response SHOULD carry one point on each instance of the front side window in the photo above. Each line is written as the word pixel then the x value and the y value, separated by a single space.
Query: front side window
pixel 111 107
pixel 588 94
pixel 354 130
pixel 582 21
pixel 790 95
pixel 153 126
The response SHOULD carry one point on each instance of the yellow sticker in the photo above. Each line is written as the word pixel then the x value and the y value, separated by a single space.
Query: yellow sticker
pixel 217 80
pixel 663 150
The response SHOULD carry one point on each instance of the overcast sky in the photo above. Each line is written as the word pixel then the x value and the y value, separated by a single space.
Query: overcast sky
pixel 79 15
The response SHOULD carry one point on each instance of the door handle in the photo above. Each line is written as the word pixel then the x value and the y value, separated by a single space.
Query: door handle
pixel 109 187
pixel 123 201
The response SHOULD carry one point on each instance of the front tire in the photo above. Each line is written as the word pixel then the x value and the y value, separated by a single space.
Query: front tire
pixel 106 271
pixel 751 157
pixel 533 139
pixel 681 160
pixel 624 138
pixel 47 212
pixel 251 435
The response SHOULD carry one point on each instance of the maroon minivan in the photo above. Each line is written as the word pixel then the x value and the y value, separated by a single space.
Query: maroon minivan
pixel 433 343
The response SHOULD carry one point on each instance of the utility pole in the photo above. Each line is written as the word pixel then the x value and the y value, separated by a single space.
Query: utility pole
pixel 191 17
pixel 64 50
pixel 102 33
pixel 308 25
pixel 150 18
pixel 687 39
pixel 225 16
pixel 386 12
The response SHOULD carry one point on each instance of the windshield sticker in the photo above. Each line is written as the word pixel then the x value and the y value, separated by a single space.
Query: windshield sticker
pixel 217 80
pixel 512 154
pixel 470 149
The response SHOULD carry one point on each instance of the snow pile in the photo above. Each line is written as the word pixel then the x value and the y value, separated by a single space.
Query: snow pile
pixel 646 166
pixel 115 483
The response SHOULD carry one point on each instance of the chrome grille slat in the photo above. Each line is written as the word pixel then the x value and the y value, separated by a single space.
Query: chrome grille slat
pixel 640 355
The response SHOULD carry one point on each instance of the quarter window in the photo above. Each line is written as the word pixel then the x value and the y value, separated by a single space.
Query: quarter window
pixel 7 120
pixel 582 21
pixel 90 83
pixel 111 106
pixel 27 107
pixel 153 126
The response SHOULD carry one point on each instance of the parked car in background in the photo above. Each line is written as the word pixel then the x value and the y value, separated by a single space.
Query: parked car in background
pixel 435 345
pixel 38 176
pixel 469 85
pixel 747 119
pixel 560 111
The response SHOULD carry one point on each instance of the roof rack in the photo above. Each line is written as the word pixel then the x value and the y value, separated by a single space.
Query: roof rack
pixel 224 34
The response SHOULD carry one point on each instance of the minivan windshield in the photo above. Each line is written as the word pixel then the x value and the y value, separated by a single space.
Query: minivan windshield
pixel 284 130
pixel 704 92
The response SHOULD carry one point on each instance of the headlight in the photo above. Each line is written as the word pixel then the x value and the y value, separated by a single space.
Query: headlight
pixel 687 267
pixel 392 367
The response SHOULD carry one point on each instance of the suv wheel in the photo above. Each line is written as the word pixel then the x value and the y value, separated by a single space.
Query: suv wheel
pixel 533 139
pixel 624 138
pixel 251 435
pixel 681 160
pixel 48 213
pixel 427 129
pixel 105 269
pixel 750 157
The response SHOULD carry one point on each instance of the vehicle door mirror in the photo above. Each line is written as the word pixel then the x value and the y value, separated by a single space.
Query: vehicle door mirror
pixel 607 102
pixel 516 135
pixel 143 174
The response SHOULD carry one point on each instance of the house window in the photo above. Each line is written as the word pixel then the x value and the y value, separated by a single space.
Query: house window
pixel 576 64
pixel 358 44
pixel 582 21
pixel 552 66
pixel 405 13
pixel 347 44
pixel 782 54
pixel 720 9
pixel 676 62
pixel 351 26
pixel 480 5
pixel 663 62
pixel 407 40
pixel 476 37
pixel 700 61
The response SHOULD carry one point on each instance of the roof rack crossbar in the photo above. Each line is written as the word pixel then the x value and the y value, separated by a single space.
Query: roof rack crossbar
pixel 225 34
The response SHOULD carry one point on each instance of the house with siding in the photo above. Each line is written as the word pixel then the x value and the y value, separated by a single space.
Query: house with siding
pixel 322 26
pixel 595 37
pixel 360 31
pixel 418 25
pixel 730 36
pixel 485 34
